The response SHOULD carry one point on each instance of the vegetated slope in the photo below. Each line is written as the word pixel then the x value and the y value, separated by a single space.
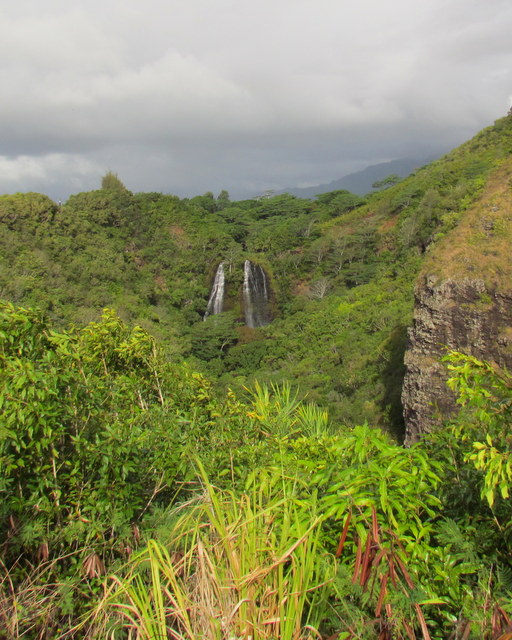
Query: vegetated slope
pixel 341 271
pixel 463 302
pixel 343 335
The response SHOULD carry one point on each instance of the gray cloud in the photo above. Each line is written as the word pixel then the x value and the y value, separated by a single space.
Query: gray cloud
pixel 188 96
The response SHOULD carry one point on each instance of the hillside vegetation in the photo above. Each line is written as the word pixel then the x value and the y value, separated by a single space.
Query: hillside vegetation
pixel 342 271
pixel 136 504
pixel 479 246
pixel 166 476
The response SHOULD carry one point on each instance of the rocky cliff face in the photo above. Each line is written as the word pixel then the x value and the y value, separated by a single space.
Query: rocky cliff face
pixel 463 302
pixel 463 315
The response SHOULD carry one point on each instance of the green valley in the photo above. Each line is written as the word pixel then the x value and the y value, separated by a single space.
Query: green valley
pixel 168 472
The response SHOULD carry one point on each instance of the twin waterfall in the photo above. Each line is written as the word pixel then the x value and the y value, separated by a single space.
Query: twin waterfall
pixel 255 295
pixel 216 300
pixel 256 300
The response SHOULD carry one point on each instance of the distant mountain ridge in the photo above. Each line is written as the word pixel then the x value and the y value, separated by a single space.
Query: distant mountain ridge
pixel 360 182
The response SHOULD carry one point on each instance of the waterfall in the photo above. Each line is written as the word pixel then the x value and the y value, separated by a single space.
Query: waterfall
pixel 256 297
pixel 216 300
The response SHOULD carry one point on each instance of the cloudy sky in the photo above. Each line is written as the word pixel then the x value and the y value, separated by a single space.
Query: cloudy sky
pixel 189 96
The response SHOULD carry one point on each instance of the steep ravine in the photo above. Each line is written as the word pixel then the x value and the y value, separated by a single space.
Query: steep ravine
pixel 463 302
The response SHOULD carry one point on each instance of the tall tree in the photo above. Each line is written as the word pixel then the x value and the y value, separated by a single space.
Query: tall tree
pixel 111 182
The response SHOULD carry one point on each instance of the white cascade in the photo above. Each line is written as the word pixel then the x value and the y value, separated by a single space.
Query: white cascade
pixel 256 297
pixel 216 299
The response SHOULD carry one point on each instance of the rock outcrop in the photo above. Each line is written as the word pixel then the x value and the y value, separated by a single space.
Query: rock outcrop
pixel 463 315
pixel 463 302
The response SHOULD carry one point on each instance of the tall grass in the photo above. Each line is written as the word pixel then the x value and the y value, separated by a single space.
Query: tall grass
pixel 281 414
pixel 248 566
pixel 34 604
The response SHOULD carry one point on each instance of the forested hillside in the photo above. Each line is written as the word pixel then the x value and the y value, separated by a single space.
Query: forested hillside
pixel 169 475
pixel 341 272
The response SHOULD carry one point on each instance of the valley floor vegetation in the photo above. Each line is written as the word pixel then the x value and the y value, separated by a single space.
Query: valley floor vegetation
pixel 134 503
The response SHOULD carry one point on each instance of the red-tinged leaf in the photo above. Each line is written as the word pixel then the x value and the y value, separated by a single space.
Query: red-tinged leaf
pixel 374 578
pixel 410 631
pixel 421 620
pixel 375 525
pixel 392 572
pixel 382 595
pixel 357 564
pixel 379 557
pixel 405 573
pixel 467 631
pixel 504 615
pixel 344 533
pixel 365 567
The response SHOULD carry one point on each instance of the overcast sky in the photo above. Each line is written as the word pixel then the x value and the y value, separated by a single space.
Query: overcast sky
pixel 189 96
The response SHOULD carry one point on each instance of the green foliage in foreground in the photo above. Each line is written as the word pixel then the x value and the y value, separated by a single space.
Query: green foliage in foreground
pixel 132 499
pixel 246 566
pixel 95 429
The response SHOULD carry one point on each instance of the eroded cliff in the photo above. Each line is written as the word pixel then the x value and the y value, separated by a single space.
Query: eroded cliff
pixel 463 302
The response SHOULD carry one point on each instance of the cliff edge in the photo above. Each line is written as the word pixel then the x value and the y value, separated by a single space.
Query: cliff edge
pixel 463 301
